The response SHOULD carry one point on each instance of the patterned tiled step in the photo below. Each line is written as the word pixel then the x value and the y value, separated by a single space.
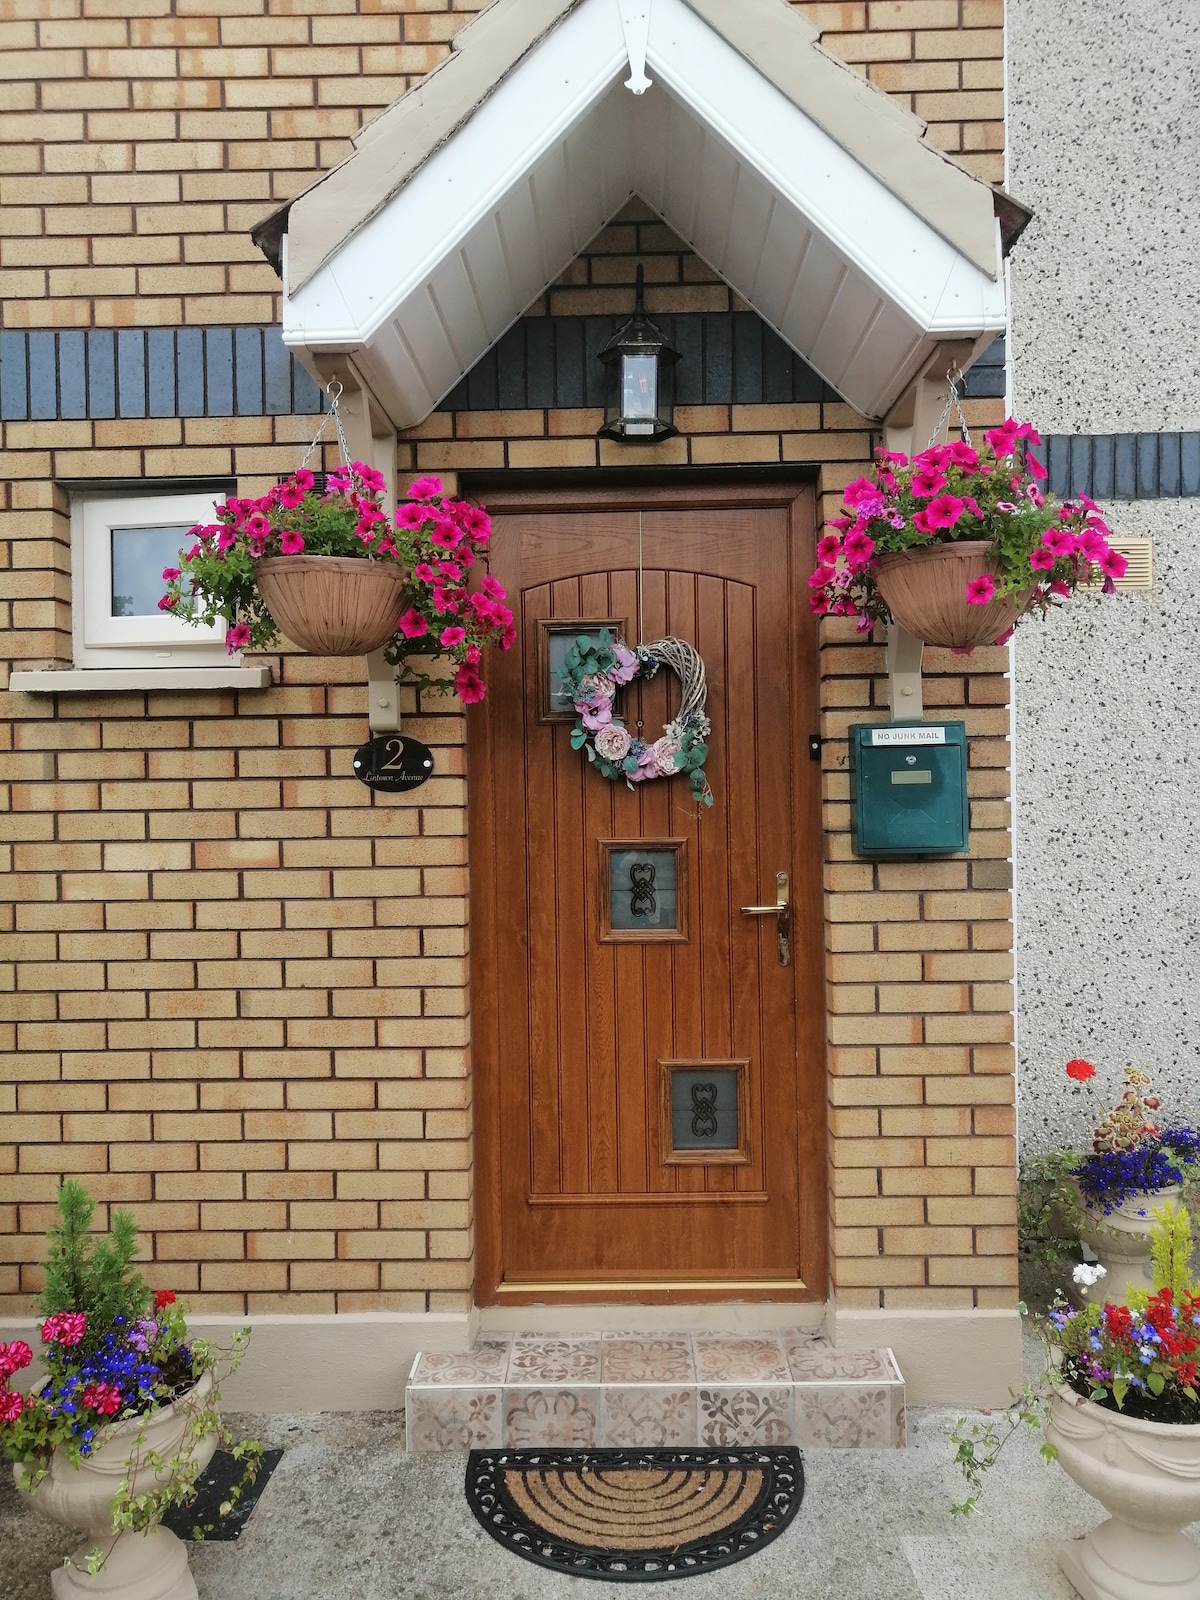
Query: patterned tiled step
pixel 675 1388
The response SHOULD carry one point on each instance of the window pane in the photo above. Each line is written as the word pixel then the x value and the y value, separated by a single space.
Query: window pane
pixel 639 396
pixel 704 1109
pixel 642 889
pixel 138 558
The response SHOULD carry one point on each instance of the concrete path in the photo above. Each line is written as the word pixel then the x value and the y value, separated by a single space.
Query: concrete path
pixel 349 1516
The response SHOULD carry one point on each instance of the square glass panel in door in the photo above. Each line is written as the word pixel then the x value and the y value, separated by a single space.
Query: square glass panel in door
pixel 704 1111
pixel 555 639
pixel 138 558
pixel 643 891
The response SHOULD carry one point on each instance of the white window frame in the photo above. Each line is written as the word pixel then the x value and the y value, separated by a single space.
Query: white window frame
pixel 102 640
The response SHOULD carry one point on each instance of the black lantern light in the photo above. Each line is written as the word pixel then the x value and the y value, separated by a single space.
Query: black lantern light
pixel 639 379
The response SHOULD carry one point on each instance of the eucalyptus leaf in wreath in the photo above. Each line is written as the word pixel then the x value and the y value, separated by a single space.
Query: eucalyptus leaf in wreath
pixel 593 671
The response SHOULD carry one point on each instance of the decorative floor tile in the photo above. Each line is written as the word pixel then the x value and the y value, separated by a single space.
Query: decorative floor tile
pixel 856 1417
pixel 648 1415
pixel 486 1363
pixel 736 1416
pixel 453 1419
pixel 741 1359
pixel 649 1358
pixel 827 1365
pixel 551 1416
pixel 554 1361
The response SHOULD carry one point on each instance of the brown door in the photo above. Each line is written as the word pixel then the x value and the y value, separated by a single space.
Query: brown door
pixel 649 1074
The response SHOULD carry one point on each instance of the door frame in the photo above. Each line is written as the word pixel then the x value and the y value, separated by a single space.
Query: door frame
pixel 513 493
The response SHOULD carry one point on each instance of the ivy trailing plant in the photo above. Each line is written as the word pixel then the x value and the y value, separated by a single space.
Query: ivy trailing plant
pixel 114 1350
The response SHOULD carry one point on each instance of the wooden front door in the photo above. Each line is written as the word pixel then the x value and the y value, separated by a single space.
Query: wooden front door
pixel 649 1075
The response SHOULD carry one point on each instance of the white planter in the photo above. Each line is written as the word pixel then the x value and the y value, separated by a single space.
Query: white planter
pixel 1121 1241
pixel 1147 1476
pixel 137 1566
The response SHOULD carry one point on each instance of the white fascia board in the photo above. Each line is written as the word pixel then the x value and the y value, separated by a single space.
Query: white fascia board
pixel 910 263
pixel 398 250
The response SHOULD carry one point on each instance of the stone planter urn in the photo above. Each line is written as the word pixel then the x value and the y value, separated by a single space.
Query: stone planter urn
pixel 1121 1241
pixel 925 589
pixel 137 1566
pixel 1147 1476
pixel 333 605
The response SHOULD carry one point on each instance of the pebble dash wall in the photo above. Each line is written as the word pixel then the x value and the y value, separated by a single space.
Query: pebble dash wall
pixel 237 983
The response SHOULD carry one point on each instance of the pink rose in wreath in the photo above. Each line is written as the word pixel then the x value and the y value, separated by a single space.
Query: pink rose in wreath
pixel 612 742
pixel 665 750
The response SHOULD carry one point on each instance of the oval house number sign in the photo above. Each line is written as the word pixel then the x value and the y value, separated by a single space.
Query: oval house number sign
pixel 391 763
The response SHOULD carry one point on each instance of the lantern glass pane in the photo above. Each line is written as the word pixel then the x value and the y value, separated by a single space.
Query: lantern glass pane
pixel 639 388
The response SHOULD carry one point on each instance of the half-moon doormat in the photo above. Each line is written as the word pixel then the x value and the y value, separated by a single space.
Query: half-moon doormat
pixel 635 1515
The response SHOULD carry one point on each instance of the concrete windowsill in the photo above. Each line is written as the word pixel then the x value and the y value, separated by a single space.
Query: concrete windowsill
pixel 103 680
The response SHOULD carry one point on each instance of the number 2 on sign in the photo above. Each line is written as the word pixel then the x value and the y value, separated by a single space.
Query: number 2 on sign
pixel 394 763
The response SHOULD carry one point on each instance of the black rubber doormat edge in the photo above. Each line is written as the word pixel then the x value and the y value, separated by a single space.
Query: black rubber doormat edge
pixel 528 1499
pixel 212 1489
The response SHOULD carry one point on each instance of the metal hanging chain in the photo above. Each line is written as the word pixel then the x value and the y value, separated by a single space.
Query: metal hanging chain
pixel 334 390
pixel 953 378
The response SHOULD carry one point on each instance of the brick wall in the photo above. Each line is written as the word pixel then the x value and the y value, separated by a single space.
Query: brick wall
pixel 237 981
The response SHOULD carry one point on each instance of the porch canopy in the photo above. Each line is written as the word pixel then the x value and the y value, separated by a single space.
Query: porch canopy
pixel 809 191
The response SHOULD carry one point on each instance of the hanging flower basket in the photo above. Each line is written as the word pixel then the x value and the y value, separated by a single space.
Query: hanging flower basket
pixel 961 543
pixel 926 592
pixel 333 605
pixel 328 566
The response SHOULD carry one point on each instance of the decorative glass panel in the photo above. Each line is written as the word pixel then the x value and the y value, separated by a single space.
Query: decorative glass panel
pixel 554 641
pixel 643 890
pixel 138 558
pixel 704 1111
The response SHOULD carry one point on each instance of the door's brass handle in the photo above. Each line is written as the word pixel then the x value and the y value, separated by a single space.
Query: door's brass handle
pixel 781 910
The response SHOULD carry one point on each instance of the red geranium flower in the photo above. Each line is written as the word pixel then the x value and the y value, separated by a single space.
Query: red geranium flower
pixel 163 1297
pixel 1080 1070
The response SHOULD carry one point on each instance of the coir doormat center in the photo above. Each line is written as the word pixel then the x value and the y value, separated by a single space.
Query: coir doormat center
pixel 635 1515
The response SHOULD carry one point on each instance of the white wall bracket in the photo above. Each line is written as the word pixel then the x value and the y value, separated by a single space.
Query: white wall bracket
pixel 635 24
pixel 910 426
pixel 371 435
pixel 904 651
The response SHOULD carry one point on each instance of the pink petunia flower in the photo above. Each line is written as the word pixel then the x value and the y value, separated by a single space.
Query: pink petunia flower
pixel 945 511
pixel 820 576
pixel 451 569
pixel 237 637
pixel 827 548
pixel 411 516
pixel 475 521
pixel 1060 588
pixel 170 573
pixel 963 456
pixel 1113 564
pixel 168 602
pixel 859 548
pixel 1041 560
pixel 860 489
pixel 818 604
pixel 258 524
pixel 469 686
pixel 1036 469
pixel 928 482
pixel 292 542
pixel 493 587
pixel 1059 540
pixel 226 539
pixel 895 456
pixel 1091 545
pixel 446 534
pixel 980 590
pixel 291 495
pixel 424 573
pixel 923 522
pixel 412 624
pixel 425 488
pixel 1003 439
pixel 452 636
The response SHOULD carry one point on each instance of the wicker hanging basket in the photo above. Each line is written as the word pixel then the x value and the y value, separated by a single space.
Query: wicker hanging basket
pixel 333 605
pixel 925 590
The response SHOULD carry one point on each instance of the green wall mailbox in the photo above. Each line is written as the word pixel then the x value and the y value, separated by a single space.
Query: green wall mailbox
pixel 908 790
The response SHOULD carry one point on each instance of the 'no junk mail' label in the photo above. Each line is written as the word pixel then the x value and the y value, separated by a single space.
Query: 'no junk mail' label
pixel 908 736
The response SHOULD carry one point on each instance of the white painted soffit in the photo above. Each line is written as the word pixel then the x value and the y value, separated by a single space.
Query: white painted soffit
pixel 853 277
